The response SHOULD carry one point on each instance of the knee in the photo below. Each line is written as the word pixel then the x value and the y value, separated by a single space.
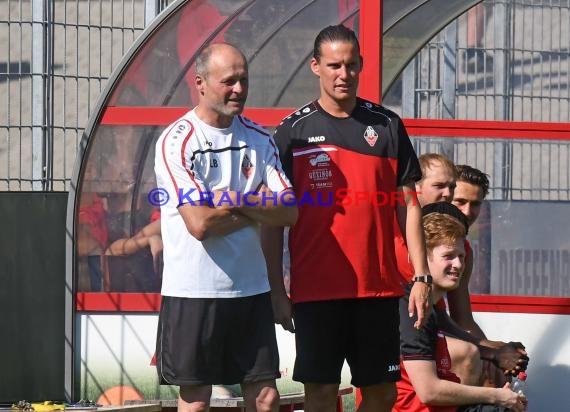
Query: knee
pixel 194 399
pixel 267 400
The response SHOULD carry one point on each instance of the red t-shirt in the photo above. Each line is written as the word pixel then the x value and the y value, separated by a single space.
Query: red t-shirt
pixel 345 172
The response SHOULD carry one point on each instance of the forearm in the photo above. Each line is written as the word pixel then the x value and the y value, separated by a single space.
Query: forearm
pixel 447 393
pixel 459 302
pixel 127 246
pixel 449 327
pixel 272 244
pixel 149 230
pixel 487 352
pixel 203 222
pixel 225 223
pixel 475 330
pixel 410 221
pixel 268 208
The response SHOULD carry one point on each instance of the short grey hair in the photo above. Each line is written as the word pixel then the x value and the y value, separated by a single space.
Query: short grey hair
pixel 203 59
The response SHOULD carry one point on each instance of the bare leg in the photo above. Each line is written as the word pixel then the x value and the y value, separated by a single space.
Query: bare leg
pixel 320 397
pixel 194 398
pixel 261 396
pixel 378 398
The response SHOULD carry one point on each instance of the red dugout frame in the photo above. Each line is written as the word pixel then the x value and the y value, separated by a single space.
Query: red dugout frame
pixel 270 117
pixel 371 49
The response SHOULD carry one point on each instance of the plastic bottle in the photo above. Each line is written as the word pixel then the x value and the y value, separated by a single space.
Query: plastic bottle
pixel 518 384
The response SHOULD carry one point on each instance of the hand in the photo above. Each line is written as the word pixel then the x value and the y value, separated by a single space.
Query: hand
pixel 420 302
pixel 282 310
pixel 156 246
pixel 511 400
pixel 510 357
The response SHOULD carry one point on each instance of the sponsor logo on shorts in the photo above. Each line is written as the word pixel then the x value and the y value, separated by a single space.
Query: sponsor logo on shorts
pixel 393 368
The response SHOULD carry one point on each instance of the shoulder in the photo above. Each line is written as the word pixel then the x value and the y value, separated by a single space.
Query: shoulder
pixel 180 128
pixel 375 110
pixel 253 129
pixel 299 116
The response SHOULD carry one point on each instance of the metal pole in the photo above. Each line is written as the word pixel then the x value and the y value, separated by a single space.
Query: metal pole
pixel 449 65
pixel 38 92
pixel 501 159
pixel 409 90
pixel 150 11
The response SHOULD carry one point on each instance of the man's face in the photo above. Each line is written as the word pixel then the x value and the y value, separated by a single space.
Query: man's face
pixel 468 198
pixel 338 70
pixel 446 264
pixel 224 90
pixel 437 185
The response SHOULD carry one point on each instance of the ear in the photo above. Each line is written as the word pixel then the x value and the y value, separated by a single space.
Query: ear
pixel 199 82
pixel 315 67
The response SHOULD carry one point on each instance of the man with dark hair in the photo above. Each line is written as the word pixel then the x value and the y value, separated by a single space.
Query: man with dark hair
pixel 224 178
pixel 472 187
pixel 344 279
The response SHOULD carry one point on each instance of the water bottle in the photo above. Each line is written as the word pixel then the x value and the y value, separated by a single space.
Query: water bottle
pixel 518 384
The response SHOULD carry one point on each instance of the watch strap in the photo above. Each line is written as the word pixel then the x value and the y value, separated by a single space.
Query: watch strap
pixel 423 278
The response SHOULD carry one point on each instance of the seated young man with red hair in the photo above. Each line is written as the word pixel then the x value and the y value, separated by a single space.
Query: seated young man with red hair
pixel 427 384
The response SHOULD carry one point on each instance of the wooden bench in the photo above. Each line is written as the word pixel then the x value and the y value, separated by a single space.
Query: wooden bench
pixel 289 402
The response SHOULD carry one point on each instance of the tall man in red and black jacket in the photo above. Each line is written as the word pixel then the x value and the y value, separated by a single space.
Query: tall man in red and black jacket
pixel 353 168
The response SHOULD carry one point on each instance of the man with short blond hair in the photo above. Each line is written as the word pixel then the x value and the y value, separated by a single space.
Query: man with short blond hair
pixel 438 179
pixel 428 383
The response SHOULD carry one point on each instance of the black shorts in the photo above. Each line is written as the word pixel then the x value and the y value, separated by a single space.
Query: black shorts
pixel 363 331
pixel 216 341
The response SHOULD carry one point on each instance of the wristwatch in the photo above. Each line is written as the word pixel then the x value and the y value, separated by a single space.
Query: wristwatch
pixel 428 279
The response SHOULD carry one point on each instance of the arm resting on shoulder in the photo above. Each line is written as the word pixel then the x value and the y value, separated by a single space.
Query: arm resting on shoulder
pixel 509 357
pixel 409 217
